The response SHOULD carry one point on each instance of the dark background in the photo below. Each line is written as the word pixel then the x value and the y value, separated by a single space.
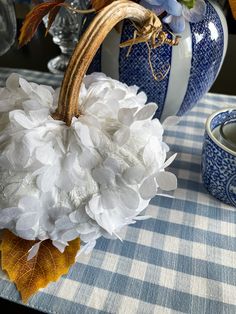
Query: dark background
pixel 41 49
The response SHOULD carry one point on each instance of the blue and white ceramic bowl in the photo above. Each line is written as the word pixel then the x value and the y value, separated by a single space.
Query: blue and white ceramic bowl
pixel 219 161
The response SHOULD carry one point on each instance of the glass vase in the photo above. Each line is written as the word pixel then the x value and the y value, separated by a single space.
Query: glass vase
pixel 65 31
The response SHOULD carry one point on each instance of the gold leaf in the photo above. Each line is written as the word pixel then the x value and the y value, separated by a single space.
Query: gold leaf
pixel 48 264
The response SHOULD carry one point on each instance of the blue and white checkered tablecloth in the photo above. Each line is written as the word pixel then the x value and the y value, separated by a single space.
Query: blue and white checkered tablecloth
pixel 183 260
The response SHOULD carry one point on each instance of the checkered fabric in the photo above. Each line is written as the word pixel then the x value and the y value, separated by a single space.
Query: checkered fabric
pixel 31 76
pixel 182 260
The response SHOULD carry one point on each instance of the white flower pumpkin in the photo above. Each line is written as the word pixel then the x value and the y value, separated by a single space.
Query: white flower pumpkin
pixel 86 180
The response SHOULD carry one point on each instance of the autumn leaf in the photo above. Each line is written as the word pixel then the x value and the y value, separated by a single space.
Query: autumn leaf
pixel 100 4
pixel 232 4
pixel 46 266
pixel 35 17
pixel 51 17
pixel 53 13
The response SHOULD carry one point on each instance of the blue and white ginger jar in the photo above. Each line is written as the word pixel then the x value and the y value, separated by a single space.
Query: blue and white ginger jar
pixel 194 63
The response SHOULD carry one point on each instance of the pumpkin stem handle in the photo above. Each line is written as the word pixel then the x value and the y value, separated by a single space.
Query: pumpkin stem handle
pixel 86 49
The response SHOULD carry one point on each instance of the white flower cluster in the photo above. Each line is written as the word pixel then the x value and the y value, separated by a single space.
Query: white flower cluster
pixel 86 180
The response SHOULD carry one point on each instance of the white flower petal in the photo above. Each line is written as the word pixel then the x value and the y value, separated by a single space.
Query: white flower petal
pixel 33 251
pixel 154 155
pixel 9 215
pixel 84 228
pixel 109 198
pixel 29 234
pixel 121 136
pixel 141 96
pixel 107 221
pixel 25 86
pixel 168 18
pixel 31 104
pixel 48 201
pixel 117 94
pixel 12 83
pixel 146 112
pixel 113 164
pixel 4 162
pixel 134 175
pixel 70 235
pixel 96 136
pixel 103 175
pixel 29 203
pixel 60 211
pixel 169 160
pixel 196 14
pixel 47 223
pixel 148 189
pixel 87 248
pixel 45 94
pixel 47 180
pixel 171 121
pixel 59 245
pixel 64 182
pixel 143 217
pixel 4 106
pixel 79 215
pixel 165 195
pixel 59 141
pixel 129 197
pixel 93 235
pixel 167 181
pixel 39 116
pixel 94 206
pixel 126 115
pixel 27 221
pixel 89 159
pixel 20 155
pixel 69 160
pixel 46 154
pixel 82 131
pixel 64 223
pixel 21 119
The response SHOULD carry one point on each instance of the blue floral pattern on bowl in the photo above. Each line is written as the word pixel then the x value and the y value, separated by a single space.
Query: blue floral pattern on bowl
pixel 219 163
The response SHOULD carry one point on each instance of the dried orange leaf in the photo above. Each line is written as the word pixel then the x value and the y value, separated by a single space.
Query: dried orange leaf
pixel 99 4
pixel 232 4
pixel 51 17
pixel 46 266
pixel 35 17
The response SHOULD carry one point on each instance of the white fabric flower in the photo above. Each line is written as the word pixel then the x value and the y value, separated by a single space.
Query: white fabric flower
pixel 87 180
